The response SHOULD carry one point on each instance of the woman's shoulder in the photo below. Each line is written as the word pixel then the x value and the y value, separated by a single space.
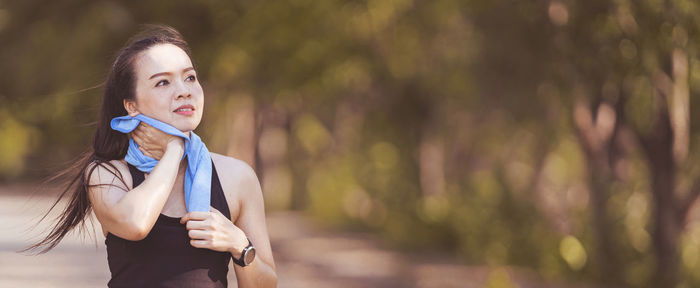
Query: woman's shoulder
pixel 232 167
pixel 235 174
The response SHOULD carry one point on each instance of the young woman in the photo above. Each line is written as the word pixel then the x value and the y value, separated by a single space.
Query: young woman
pixel 151 239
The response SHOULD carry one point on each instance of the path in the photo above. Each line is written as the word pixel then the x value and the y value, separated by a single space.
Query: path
pixel 306 256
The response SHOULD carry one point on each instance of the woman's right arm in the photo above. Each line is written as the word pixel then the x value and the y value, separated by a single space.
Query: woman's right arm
pixel 131 215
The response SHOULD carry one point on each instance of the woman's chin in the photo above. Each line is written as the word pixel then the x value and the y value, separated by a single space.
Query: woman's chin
pixel 186 128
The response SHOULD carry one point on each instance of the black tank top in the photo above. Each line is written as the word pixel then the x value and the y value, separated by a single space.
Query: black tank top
pixel 165 257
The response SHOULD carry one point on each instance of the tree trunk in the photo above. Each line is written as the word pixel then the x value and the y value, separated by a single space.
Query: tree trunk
pixel 658 148
pixel 595 134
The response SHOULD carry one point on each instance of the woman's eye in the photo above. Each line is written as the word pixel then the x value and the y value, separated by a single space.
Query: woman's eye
pixel 162 82
pixel 191 78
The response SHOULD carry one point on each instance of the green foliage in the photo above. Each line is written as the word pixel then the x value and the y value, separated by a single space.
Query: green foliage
pixel 443 125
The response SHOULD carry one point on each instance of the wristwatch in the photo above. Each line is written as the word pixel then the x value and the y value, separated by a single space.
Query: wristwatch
pixel 247 256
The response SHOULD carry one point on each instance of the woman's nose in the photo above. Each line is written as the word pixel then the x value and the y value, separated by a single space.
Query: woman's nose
pixel 185 94
pixel 183 91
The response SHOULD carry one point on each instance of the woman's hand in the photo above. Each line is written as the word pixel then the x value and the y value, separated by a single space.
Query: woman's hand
pixel 212 230
pixel 153 142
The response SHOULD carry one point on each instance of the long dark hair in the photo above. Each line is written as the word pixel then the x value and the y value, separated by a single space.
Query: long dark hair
pixel 107 144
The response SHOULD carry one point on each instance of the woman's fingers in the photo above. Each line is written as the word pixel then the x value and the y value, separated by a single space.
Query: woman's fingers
pixel 150 140
pixel 144 130
pixel 198 225
pixel 148 130
pixel 143 125
pixel 214 211
pixel 195 215
pixel 141 138
pixel 143 146
pixel 136 134
pixel 145 136
pixel 199 234
pixel 199 243
pixel 138 130
pixel 150 135
pixel 145 152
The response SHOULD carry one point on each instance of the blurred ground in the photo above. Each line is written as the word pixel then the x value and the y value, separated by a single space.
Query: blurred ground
pixel 306 256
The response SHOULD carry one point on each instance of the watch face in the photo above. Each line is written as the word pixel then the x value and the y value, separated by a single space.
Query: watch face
pixel 249 256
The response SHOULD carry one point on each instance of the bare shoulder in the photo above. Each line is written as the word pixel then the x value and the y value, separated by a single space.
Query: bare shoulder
pixel 233 170
pixel 239 182
pixel 235 175
pixel 109 173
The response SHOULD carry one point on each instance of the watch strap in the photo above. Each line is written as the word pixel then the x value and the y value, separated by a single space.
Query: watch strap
pixel 241 261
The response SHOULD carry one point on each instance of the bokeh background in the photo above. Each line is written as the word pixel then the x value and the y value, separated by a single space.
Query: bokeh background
pixel 547 141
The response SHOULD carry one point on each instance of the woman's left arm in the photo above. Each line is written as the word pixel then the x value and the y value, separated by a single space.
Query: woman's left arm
pixel 261 272
pixel 213 231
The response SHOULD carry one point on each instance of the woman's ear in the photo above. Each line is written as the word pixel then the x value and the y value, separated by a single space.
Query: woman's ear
pixel 130 106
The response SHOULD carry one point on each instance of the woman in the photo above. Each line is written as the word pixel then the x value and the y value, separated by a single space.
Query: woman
pixel 151 239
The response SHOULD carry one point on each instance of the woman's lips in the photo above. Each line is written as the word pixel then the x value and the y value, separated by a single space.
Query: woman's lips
pixel 185 113
pixel 186 110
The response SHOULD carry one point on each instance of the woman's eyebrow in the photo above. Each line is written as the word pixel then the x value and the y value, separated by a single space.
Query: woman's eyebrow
pixel 159 74
pixel 168 73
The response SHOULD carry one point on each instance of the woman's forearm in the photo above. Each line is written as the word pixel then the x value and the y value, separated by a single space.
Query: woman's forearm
pixel 141 206
pixel 256 275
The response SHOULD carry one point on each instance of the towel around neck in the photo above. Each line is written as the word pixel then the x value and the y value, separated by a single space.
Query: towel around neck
pixel 198 173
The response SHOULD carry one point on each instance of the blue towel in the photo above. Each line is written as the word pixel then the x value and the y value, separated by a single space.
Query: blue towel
pixel 198 174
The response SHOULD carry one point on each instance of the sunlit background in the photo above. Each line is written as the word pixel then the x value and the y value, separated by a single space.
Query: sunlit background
pixel 502 143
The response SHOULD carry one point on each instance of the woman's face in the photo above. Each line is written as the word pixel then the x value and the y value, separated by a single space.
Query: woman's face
pixel 167 88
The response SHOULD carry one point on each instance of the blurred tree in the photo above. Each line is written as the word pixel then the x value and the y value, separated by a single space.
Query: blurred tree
pixel 506 132
pixel 628 69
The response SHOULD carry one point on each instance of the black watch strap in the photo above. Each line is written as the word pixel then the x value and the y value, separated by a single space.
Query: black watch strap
pixel 241 261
